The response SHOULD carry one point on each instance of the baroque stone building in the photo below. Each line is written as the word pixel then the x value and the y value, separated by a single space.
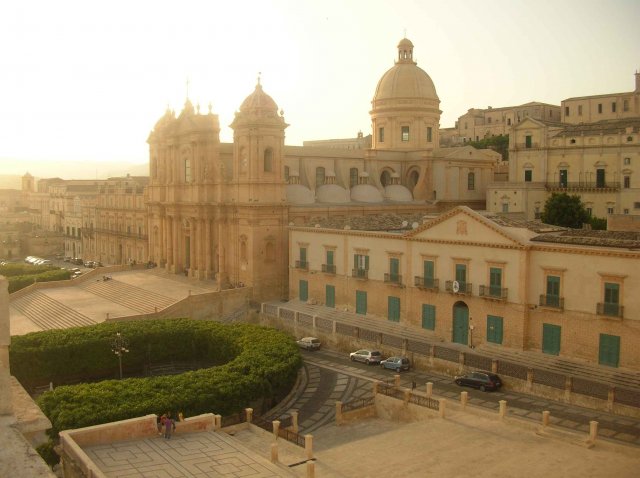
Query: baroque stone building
pixel 222 210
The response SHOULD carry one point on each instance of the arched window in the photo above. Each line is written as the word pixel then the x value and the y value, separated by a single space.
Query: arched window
pixel 270 253
pixel 385 178
pixel 268 160
pixel 353 177
pixel 471 181
pixel 413 179
pixel 320 176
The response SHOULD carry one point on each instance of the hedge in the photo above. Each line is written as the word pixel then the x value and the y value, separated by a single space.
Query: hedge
pixel 23 275
pixel 253 363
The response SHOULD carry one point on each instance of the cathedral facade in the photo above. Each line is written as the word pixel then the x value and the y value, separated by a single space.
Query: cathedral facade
pixel 221 211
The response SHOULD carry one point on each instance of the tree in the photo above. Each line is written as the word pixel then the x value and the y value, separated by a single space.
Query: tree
pixel 564 210
pixel 498 143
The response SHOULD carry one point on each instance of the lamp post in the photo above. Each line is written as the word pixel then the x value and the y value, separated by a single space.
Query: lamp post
pixel 119 347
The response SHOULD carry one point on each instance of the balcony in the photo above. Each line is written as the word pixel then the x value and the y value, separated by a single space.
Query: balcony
pixel 583 186
pixel 610 310
pixel 464 288
pixel 551 301
pixel 304 265
pixel 493 292
pixel 329 268
pixel 426 283
pixel 393 279
pixel 360 273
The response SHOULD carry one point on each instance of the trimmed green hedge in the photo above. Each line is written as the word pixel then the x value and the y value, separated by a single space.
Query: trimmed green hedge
pixel 23 275
pixel 254 363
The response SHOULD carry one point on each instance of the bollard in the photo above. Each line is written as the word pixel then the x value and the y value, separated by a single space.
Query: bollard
pixel 276 428
pixel 464 396
pixel 442 407
pixel 294 420
pixel 429 389
pixel 311 469
pixel 503 408
pixel 249 414
pixel 593 430
pixel 494 365
pixel 217 422
pixel 308 446
pixel 545 418
pixel 396 380
pixel 338 413
pixel 274 453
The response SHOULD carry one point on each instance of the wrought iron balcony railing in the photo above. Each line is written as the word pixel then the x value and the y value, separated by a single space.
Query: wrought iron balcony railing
pixel 393 278
pixel 611 310
pixel 493 292
pixel 465 288
pixel 329 268
pixel 360 273
pixel 547 300
pixel 426 283
pixel 302 265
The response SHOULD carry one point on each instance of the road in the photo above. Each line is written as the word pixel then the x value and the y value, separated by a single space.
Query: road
pixel 331 376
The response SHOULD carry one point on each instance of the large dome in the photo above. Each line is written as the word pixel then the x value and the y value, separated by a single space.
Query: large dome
pixel 405 79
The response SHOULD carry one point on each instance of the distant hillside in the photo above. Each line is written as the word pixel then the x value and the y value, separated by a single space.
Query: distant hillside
pixel 68 170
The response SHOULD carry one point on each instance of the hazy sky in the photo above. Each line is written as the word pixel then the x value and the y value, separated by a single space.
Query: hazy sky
pixel 87 80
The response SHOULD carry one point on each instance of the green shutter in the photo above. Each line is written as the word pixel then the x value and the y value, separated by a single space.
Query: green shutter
pixel 553 291
pixel 551 339
pixel 461 273
pixel 611 299
pixel 304 290
pixel 609 352
pixel 330 258
pixel 361 302
pixel 428 316
pixel 494 329
pixel 393 308
pixel 330 293
pixel 303 254
pixel 428 270
pixel 366 263
pixel 394 269
pixel 495 281
pixel 460 324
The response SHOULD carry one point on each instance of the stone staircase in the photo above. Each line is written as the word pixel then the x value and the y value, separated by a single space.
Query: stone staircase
pixel 48 313
pixel 130 296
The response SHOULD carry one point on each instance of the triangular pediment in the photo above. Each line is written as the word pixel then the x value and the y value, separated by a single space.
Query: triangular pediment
pixel 463 224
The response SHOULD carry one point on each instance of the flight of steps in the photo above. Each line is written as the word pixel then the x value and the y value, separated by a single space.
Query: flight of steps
pixel 48 313
pixel 130 296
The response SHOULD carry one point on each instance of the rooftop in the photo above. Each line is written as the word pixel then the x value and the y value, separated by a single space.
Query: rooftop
pixel 601 127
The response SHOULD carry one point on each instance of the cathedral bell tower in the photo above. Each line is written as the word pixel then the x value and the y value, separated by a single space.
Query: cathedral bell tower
pixel 256 198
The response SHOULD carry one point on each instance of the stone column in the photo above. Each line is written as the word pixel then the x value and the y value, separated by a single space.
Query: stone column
pixel 274 452
pixel 396 380
pixel 338 412
pixel 193 231
pixel 311 469
pixel 429 389
pixel 503 408
pixel 294 420
pixel 308 446
pixel 593 430
pixel 208 246
pixel 6 405
pixel 168 232
pixel 545 418
pixel 276 429
pixel 464 397
pixel 249 414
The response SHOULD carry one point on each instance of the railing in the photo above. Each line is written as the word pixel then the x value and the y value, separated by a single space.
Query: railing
pixel 390 391
pixel 426 402
pixel 304 265
pixel 234 419
pixel 493 292
pixel 292 437
pixel 426 283
pixel 329 268
pixel 582 185
pixel 393 278
pixel 611 310
pixel 357 404
pixel 360 273
pixel 465 288
pixel 547 300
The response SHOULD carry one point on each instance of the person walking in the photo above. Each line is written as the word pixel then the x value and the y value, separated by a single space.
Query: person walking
pixel 169 426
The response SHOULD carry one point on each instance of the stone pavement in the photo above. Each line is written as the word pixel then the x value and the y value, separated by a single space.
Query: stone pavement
pixel 192 455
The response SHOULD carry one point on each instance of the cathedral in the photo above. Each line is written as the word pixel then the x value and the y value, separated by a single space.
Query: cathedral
pixel 222 211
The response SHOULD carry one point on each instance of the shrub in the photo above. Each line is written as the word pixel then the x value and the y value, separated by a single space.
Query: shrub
pixel 23 275
pixel 253 363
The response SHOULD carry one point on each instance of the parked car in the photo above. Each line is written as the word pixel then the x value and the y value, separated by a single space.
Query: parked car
pixel 44 262
pixel 482 380
pixel 89 264
pixel 77 261
pixel 309 343
pixel 396 363
pixel 366 356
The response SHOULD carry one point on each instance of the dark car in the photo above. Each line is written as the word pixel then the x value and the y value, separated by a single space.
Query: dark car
pixel 366 356
pixel 396 363
pixel 482 380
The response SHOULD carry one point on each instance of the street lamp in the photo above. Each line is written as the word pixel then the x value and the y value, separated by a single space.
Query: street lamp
pixel 119 347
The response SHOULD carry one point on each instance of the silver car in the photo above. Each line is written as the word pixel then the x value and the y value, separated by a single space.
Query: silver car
pixel 366 356
pixel 309 343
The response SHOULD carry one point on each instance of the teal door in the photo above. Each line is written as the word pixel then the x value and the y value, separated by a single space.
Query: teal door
pixel 361 302
pixel 609 353
pixel 553 291
pixel 304 290
pixel 393 308
pixel 428 271
pixel 551 339
pixel 461 323
pixel 394 269
pixel 330 295
pixel 494 329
